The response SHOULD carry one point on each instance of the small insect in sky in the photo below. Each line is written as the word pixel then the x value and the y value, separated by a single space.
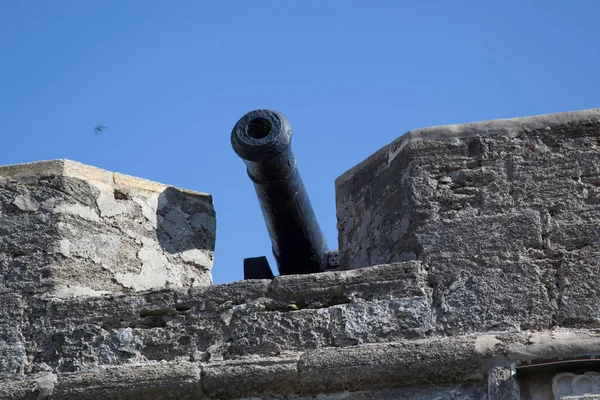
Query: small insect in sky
pixel 98 129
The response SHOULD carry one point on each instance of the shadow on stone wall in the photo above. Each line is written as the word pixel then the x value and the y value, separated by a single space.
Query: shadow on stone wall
pixel 185 221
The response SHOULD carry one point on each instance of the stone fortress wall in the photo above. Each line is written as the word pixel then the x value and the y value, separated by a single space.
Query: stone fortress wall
pixel 470 263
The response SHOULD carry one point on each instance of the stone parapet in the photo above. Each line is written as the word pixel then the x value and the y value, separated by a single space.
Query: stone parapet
pixel 470 268
pixel 503 215
pixel 70 229
pixel 451 189
pixel 366 332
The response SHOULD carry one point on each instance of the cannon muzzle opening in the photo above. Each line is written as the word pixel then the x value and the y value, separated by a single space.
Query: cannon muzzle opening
pixel 262 138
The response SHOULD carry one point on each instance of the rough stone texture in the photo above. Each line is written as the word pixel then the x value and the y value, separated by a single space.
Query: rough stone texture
pixel 502 214
pixel 12 344
pixel 487 237
pixel 198 344
pixel 175 344
pixel 73 230
pixel 243 319
pixel 502 383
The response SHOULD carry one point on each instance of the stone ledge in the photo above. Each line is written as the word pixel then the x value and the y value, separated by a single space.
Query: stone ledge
pixel 74 169
pixel 164 381
pixel 509 127
pixel 363 367
pixel 252 377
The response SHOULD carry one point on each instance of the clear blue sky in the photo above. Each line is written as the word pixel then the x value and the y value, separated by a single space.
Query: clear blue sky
pixel 170 79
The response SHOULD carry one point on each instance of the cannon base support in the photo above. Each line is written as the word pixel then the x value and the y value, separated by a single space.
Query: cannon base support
pixel 259 268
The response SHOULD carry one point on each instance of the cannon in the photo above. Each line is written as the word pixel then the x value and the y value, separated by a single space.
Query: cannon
pixel 262 139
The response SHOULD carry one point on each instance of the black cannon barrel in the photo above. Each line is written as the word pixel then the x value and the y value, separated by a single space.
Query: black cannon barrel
pixel 262 138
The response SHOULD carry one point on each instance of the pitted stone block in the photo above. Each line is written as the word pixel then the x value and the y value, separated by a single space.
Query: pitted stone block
pixel 504 213
pixel 70 229
pixel 13 357
pixel 476 177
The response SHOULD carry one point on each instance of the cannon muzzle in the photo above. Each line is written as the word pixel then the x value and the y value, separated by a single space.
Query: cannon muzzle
pixel 262 138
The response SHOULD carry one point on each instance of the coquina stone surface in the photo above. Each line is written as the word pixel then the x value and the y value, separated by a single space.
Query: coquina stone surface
pixel 69 229
pixel 243 340
pixel 469 272
pixel 504 215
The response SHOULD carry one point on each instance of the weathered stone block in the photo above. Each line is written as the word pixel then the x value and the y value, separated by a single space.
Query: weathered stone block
pixel 223 322
pixel 12 343
pixel 499 212
pixel 489 175
pixel 383 365
pixel 160 381
pixel 577 283
pixel 237 379
pixel 70 229
pixel 502 383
